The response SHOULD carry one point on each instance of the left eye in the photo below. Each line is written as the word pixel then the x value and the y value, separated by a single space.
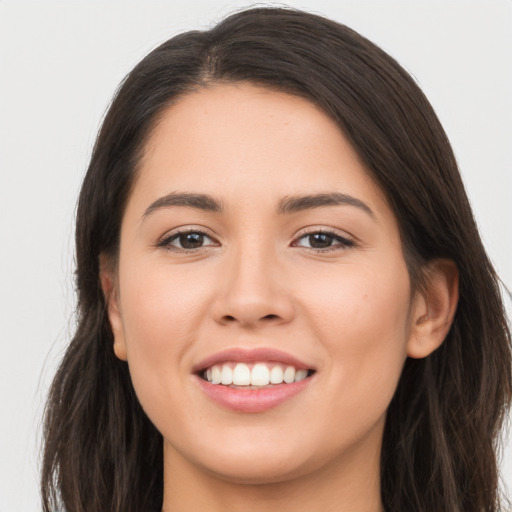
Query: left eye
pixel 187 241
pixel 322 240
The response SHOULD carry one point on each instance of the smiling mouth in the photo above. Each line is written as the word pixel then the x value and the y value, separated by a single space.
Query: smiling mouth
pixel 253 376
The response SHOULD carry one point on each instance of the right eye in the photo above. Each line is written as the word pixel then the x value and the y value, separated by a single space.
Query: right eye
pixel 186 241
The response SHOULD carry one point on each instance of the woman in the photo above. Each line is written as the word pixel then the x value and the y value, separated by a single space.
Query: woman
pixel 284 302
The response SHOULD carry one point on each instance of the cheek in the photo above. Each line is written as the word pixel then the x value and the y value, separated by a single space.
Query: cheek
pixel 361 316
pixel 365 298
pixel 161 316
pixel 161 305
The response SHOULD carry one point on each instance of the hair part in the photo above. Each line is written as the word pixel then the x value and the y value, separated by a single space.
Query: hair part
pixel 439 449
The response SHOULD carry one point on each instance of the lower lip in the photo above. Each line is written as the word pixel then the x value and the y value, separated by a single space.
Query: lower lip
pixel 252 400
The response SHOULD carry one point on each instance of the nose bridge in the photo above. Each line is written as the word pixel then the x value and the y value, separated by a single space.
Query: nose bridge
pixel 252 271
pixel 253 289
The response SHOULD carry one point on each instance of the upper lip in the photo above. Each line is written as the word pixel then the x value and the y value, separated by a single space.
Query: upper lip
pixel 251 355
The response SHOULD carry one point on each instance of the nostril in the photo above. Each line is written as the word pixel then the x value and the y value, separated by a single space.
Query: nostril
pixel 231 318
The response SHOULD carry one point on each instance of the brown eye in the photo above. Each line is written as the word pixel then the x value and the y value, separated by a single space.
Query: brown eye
pixel 187 241
pixel 321 241
pixel 191 240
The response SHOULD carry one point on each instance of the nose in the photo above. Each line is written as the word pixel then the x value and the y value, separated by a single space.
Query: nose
pixel 253 291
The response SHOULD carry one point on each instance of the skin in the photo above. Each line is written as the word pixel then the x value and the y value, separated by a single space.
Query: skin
pixel 348 312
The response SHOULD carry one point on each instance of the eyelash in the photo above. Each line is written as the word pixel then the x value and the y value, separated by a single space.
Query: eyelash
pixel 342 242
pixel 167 240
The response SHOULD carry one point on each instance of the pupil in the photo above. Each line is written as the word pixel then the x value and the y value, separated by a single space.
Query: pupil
pixel 320 240
pixel 191 240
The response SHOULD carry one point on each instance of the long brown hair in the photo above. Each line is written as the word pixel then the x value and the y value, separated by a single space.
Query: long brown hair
pixel 439 450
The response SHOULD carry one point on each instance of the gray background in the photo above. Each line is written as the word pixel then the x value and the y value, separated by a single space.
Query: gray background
pixel 60 62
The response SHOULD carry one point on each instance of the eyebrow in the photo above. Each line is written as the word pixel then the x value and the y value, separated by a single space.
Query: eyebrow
pixel 288 204
pixel 190 200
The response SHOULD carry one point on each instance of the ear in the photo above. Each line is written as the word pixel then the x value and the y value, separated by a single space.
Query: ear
pixel 434 308
pixel 109 286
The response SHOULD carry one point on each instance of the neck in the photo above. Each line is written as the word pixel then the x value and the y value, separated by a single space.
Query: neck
pixel 350 485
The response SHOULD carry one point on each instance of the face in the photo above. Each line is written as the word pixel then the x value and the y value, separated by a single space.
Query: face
pixel 255 243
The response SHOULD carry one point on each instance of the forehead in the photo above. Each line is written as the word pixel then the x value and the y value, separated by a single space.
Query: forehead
pixel 232 139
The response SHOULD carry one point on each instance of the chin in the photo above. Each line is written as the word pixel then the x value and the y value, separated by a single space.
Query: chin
pixel 258 471
pixel 249 462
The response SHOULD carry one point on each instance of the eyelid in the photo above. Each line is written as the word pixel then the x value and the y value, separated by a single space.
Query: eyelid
pixel 345 240
pixel 164 241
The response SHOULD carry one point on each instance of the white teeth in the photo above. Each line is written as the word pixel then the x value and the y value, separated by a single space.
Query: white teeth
pixel 289 374
pixel 300 375
pixel 241 375
pixel 276 375
pixel 226 376
pixel 216 375
pixel 260 375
